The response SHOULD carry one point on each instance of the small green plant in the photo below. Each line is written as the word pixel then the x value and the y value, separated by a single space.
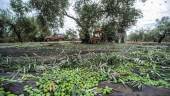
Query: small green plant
pixel 106 90
pixel 79 74
pixel 3 93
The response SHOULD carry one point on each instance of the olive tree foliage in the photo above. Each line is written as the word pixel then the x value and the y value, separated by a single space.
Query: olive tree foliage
pixel 151 35
pixel 122 14
pixel 109 32
pixel 160 33
pixel 164 28
pixel 50 12
pixel 4 26
pixel 144 35
pixel 16 24
pixel 133 37
pixel 90 14
pixel 9 24
pixel 2 23
pixel 87 18
pixel 138 35
pixel 19 7
pixel 22 25
pixel 11 19
pixel 71 34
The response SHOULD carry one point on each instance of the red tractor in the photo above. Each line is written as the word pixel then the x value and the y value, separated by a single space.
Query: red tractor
pixel 97 36
pixel 57 37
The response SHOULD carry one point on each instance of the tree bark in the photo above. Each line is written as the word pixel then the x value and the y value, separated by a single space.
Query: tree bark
pixel 122 33
pixel 122 38
pixel 86 38
pixel 162 37
pixel 19 37
pixel 75 19
pixel 18 34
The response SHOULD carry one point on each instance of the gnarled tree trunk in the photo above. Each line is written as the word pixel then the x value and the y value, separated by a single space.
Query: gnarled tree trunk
pixel 162 37
pixel 18 34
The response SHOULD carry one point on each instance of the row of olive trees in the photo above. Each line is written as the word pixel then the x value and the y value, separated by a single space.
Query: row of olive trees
pixel 144 36
pixel 158 34
pixel 17 25
pixel 113 16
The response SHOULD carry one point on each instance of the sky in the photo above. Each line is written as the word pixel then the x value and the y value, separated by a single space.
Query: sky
pixel 151 9
pixel 4 4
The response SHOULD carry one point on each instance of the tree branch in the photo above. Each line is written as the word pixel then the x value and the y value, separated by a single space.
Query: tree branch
pixel 75 19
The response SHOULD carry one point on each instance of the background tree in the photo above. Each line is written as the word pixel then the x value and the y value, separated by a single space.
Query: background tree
pixel 163 27
pixel 138 35
pixel 122 13
pixel 20 9
pixel 114 16
pixel 3 25
pixel 71 34
pixel 151 35
pixel 87 18
pixel 50 14
pixel 16 22
pixel 8 23
pixel 133 37
pixel 109 32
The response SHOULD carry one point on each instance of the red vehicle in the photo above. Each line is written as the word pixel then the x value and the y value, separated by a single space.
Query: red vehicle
pixel 97 36
pixel 58 37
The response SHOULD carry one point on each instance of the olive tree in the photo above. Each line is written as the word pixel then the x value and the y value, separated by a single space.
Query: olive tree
pixel 122 13
pixel 88 14
pixel 164 28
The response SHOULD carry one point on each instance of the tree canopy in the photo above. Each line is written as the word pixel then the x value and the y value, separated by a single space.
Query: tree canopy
pixel 120 14
pixel 163 27
pixel 50 11
pixel 160 33
pixel 112 16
